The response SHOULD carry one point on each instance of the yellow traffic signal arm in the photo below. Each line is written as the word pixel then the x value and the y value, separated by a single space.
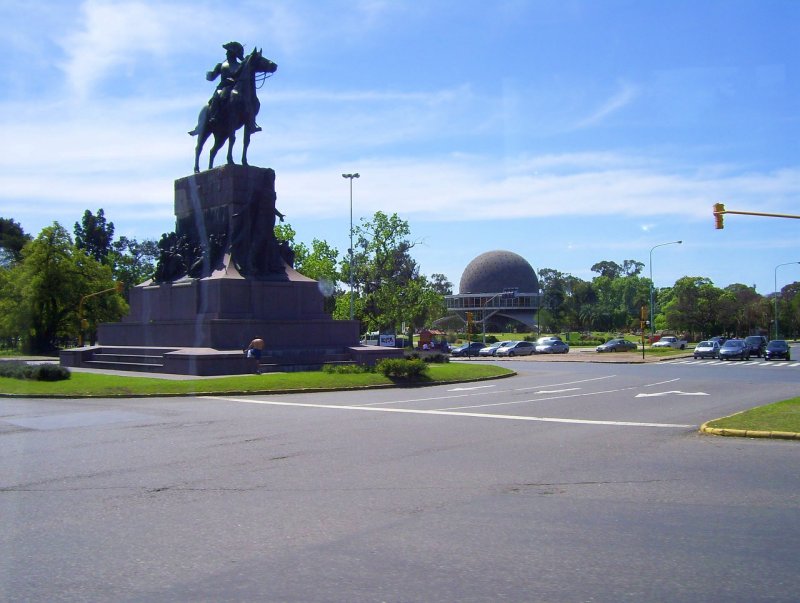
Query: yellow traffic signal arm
pixel 719 210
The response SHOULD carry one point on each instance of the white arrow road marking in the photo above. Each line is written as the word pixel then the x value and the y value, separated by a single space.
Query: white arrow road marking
pixel 466 389
pixel 677 393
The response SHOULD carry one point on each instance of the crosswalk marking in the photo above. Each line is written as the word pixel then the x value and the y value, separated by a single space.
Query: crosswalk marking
pixel 706 362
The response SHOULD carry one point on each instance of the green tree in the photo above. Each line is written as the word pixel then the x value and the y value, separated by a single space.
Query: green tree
pixel 752 311
pixel 320 262
pixel 440 284
pixel 12 240
pixel 382 269
pixel 133 262
pixel 607 268
pixel 94 235
pixel 42 293
pixel 789 310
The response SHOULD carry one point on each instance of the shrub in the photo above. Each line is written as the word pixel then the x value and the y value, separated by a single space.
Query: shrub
pixel 402 369
pixel 347 369
pixel 436 357
pixel 34 372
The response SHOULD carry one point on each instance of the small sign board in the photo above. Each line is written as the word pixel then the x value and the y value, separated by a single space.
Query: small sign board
pixel 386 341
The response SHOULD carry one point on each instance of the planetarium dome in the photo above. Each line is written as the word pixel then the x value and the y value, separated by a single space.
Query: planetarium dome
pixel 494 271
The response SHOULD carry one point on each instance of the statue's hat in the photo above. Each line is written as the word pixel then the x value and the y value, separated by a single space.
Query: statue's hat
pixel 237 49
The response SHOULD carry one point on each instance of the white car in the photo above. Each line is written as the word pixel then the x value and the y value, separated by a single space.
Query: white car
pixel 491 350
pixel 668 341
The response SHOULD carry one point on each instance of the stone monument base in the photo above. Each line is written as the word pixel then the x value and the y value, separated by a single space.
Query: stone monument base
pixel 225 281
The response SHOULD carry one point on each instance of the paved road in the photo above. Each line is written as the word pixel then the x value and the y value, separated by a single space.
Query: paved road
pixel 570 482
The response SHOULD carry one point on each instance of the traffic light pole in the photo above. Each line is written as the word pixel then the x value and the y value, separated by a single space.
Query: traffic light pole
pixel 720 211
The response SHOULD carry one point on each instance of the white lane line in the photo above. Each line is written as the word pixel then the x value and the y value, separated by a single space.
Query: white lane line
pixel 467 395
pixel 608 391
pixel 524 389
pixel 676 392
pixel 663 382
pixel 448 413
pixel 466 389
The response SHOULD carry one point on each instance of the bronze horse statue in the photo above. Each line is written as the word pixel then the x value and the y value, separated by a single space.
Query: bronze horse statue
pixel 238 110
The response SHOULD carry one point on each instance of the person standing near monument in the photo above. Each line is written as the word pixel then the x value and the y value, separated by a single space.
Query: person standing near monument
pixel 254 350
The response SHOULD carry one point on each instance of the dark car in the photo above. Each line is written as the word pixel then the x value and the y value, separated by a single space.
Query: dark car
pixel 778 348
pixel 617 344
pixel 467 349
pixel 734 348
pixel 757 344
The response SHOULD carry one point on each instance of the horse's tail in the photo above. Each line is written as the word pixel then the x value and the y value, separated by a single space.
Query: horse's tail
pixel 201 122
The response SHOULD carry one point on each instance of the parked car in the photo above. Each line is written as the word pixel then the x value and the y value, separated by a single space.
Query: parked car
pixel 491 350
pixel 778 348
pixel 518 348
pixel 467 349
pixel 757 344
pixel 548 338
pixel 719 339
pixel 670 341
pixel 734 348
pixel 554 346
pixel 706 349
pixel 618 344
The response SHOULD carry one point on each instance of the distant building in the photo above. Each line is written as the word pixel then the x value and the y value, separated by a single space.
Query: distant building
pixel 495 285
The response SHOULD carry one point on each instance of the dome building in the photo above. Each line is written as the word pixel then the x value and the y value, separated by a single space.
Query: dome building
pixel 497 284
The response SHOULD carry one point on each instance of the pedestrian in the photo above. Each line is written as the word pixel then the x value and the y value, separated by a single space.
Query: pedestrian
pixel 254 350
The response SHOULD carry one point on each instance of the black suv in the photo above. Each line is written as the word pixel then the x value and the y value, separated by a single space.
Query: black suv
pixel 757 345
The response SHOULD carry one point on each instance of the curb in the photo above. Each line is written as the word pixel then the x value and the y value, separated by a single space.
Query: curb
pixel 748 433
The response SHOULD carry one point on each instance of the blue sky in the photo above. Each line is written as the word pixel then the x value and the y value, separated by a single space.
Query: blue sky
pixel 566 131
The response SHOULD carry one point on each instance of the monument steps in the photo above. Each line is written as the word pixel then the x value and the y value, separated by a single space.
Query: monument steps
pixel 111 365
pixel 155 359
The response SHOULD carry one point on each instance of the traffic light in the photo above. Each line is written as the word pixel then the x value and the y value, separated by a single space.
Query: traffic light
pixel 719 212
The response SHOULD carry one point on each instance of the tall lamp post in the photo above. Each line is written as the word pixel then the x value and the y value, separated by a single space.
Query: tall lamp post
pixel 776 294
pixel 350 177
pixel 652 324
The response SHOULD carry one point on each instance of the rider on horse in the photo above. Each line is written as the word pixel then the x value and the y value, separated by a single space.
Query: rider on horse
pixel 228 72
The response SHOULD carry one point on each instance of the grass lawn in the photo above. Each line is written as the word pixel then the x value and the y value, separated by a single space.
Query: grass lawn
pixel 96 385
pixel 781 416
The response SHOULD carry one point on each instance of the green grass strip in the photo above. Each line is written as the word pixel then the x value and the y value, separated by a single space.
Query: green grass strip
pixel 98 385
pixel 780 420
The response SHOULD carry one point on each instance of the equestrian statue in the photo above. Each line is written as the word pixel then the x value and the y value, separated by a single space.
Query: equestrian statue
pixel 234 103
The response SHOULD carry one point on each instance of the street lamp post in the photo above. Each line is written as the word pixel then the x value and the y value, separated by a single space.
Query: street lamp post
pixel 652 324
pixel 776 294
pixel 350 177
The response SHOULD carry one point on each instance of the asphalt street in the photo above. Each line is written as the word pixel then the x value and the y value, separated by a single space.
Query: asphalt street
pixel 568 482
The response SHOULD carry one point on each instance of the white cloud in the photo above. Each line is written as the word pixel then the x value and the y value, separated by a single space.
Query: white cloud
pixel 621 99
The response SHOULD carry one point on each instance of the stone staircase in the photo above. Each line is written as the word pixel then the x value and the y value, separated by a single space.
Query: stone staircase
pixel 147 360
pixel 231 362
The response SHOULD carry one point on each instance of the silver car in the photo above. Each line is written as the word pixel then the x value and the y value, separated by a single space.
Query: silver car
pixel 491 350
pixel 554 346
pixel 518 348
pixel 706 349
